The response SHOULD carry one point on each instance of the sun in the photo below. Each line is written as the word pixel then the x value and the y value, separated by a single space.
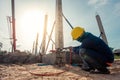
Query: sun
pixel 32 20
pixel 31 23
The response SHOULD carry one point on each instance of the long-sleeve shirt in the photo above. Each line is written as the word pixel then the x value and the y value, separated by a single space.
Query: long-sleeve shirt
pixel 89 41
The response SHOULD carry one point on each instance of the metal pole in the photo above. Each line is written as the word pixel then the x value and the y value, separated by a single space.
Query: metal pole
pixel 67 21
pixel 44 35
pixel 102 32
pixel 33 48
pixel 50 36
pixel 13 25
pixel 36 44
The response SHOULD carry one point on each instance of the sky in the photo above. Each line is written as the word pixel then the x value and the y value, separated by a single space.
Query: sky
pixel 29 16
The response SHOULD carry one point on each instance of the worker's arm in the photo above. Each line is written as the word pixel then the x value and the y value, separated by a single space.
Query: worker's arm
pixel 76 49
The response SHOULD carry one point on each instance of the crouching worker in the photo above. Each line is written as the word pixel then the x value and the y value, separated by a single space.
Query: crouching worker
pixel 94 52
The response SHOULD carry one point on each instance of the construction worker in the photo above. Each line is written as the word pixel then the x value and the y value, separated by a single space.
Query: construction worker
pixel 94 52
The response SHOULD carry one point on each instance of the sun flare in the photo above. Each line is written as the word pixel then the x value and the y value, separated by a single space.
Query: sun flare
pixel 32 22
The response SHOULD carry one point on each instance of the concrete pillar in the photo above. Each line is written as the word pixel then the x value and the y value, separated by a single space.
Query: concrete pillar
pixel 59 43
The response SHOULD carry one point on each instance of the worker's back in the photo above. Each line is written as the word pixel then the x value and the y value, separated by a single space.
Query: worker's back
pixel 92 42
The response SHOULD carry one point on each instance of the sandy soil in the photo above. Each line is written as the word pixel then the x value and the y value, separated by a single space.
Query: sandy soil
pixel 50 72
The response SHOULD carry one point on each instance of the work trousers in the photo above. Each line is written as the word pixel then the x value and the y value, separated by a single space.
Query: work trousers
pixel 93 59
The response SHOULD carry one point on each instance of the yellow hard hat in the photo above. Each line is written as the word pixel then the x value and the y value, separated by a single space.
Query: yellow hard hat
pixel 77 32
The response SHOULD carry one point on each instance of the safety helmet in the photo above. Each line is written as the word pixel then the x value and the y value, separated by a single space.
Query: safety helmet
pixel 77 32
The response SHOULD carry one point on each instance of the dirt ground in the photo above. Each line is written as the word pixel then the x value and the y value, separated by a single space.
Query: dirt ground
pixel 50 72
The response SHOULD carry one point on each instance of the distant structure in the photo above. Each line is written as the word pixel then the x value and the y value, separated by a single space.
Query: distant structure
pixel 1 45
pixel 59 43
pixel 36 44
pixel 102 32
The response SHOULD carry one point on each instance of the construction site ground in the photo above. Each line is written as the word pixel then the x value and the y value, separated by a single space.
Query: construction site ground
pixel 41 71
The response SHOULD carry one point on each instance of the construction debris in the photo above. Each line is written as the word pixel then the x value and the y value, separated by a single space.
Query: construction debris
pixel 61 57
pixel 19 58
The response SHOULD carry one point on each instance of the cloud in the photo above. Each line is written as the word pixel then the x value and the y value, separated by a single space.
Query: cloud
pixel 97 2
pixel 117 9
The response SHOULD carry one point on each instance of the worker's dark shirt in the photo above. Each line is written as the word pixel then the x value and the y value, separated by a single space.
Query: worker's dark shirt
pixel 89 41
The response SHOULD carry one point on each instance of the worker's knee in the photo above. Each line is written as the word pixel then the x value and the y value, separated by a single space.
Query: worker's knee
pixel 82 52
pixel 85 52
pixel 93 58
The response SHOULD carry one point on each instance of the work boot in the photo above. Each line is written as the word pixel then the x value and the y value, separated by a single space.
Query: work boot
pixel 104 71
pixel 101 71
pixel 87 68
